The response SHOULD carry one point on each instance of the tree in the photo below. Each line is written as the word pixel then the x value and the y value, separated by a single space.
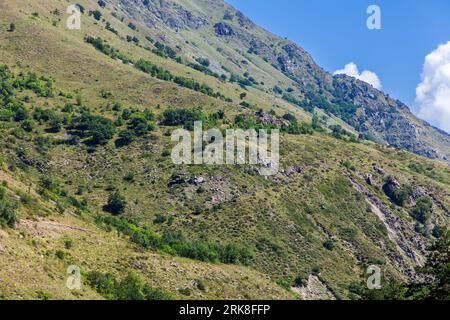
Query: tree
pixel 316 122
pixel 290 117
pixel 96 14
pixel 97 128
pixel 116 203
pixel 126 137
pixel 185 117
pixel 12 27
pixel 328 244
pixel 204 62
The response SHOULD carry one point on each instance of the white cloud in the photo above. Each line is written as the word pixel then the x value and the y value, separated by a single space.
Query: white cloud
pixel 433 93
pixel 370 77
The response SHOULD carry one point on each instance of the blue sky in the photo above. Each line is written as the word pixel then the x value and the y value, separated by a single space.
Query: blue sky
pixel 335 33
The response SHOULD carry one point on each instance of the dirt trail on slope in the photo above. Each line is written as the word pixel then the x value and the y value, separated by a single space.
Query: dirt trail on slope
pixel 48 228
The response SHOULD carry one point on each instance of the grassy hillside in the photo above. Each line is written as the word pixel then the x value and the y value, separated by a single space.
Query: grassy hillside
pixel 80 127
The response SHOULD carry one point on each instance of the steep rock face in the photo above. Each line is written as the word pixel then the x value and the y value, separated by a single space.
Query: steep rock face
pixel 391 122
pixel 223 29
pixel 167 13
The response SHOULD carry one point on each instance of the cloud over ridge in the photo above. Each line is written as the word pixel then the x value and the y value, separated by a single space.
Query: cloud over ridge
pixel 351 69
pixel 433 93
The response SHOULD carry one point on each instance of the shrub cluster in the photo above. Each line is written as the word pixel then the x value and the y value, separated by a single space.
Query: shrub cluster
pixel 132 287
pixel 183 117
pixel 97 130
pixel 174 243
pixel 422 210
pixel 8 215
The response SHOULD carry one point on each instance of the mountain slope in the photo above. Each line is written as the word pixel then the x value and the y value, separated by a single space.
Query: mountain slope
pixel 338 204
pixel 229 39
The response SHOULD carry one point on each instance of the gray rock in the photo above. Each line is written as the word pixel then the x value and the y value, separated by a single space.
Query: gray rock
pixel 223 29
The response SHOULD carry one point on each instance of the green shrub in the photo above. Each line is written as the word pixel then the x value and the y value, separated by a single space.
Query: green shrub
pixel 28 125
pixel 285 284
pixel 290 117
pixel 8 216
pixel 422 210
pixel 316 270
pixel 160 219
pixel 200 285
pixel 203 61
pixel 105 48
pixel 164 51
pixel 126 137
pixel 68 244
pixel 116 203
pixel 184 117
pixel 132 287
pixel 104 283
pixel 328 244
pixel 133 39
pixel 300 281
pixel 41 85
pixel 139 124
pixel 41 295
pixel 298 128
pixel 96 14
pixel 129 177
pixel 398 195
pixel 185 291
pixel 47 183
pixel 6 115
pixel 96 130
pixel 60 254
pixel 153 70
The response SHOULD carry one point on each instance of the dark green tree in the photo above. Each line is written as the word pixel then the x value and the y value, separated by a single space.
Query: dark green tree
pixel 116 203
